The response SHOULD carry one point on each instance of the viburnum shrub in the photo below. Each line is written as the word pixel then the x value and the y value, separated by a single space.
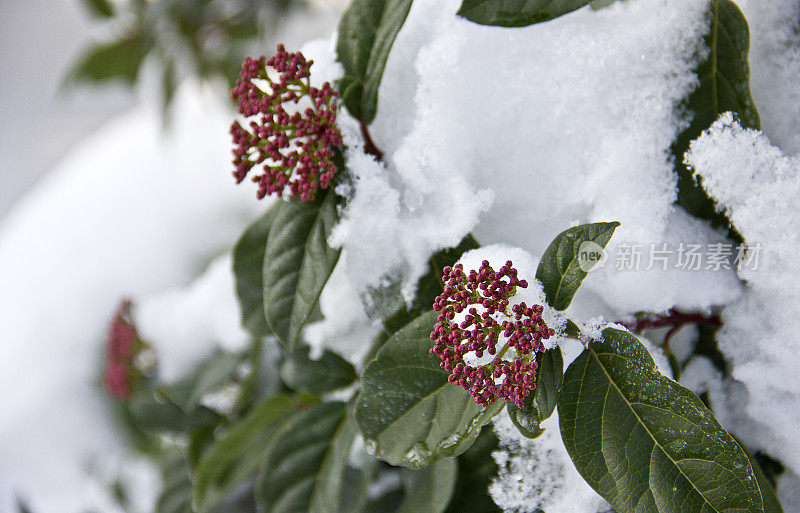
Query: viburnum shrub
pixel 448 359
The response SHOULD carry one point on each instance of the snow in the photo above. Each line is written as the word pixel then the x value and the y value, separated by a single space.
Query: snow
pixel 538 474
pixel 500 133
pixel 758 186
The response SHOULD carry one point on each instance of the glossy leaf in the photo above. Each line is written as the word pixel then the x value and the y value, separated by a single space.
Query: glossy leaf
pixel 291 476
pixel 540 405
pixel 768 495
pixel 234 459
pixel 560 269
pixel 644 442
pixel 476 470
pixel 297 264
pixel 429 489
pixel 366 34
pixel 300 372
pixel 517 13
pixel 724 86
pixel 331 478
pixel 408 412
pixel 248 269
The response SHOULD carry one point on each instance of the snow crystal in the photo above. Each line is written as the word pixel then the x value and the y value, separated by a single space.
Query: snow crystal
pixel 759 187
pixel 538 474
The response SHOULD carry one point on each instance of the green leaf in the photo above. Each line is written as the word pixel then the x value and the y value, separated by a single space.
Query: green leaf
pixel 366 34
pixel 248 269
pixel 300 372
pixel 408 412
pixel 156 414
pixel 644 442
pixel 724 86
pixel 119 60
pixel 516 13
pixel 297 264
pixel 331 478
pixel 429 489
pixel 768 495
pixel 209 376
pixel 476 470
pixel 541 404
pixel 560 270
pixel 234 459
pixel 176 491
pixel 99 8
pixel 291 475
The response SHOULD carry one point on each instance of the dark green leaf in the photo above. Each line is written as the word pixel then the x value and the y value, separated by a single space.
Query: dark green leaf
pixel 176 491
pixel 291 468
pixel 155 414
pixel 328 373
pixel 724 86
pixel 771 502
pixel 234 459
pixel 330 487
pixel 248 269
pixel 476 469
pixel 99 8
pixel 560 270
pixel 119 60
pixel 516 13
pixel 366 34
pixel 430 488
pixel 644 442
pixel 541 404
pixel 297 264
pixel 209 376
pixel 408 412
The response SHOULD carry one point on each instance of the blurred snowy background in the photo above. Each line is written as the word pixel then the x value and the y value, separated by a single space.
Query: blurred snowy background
pixel 102 196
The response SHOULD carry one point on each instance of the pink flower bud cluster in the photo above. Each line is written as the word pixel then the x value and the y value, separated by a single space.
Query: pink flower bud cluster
pixel 484 295
pixel 121 348
pixel 293 150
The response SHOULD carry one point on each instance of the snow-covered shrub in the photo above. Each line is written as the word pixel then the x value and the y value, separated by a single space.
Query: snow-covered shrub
pixel 410 353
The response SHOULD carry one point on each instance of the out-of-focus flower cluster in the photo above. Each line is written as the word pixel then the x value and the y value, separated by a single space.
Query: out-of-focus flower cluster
pixel 123 346
pixel 293 150
pixel 474 314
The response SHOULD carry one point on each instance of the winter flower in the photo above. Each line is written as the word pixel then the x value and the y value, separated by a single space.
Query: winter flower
pixel 293 150
pixel 475 321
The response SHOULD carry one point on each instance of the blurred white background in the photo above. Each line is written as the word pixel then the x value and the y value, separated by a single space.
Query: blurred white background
pixel 39 120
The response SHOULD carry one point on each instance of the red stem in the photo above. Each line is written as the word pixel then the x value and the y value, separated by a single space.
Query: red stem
pixel 674 318
pixel 369 144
